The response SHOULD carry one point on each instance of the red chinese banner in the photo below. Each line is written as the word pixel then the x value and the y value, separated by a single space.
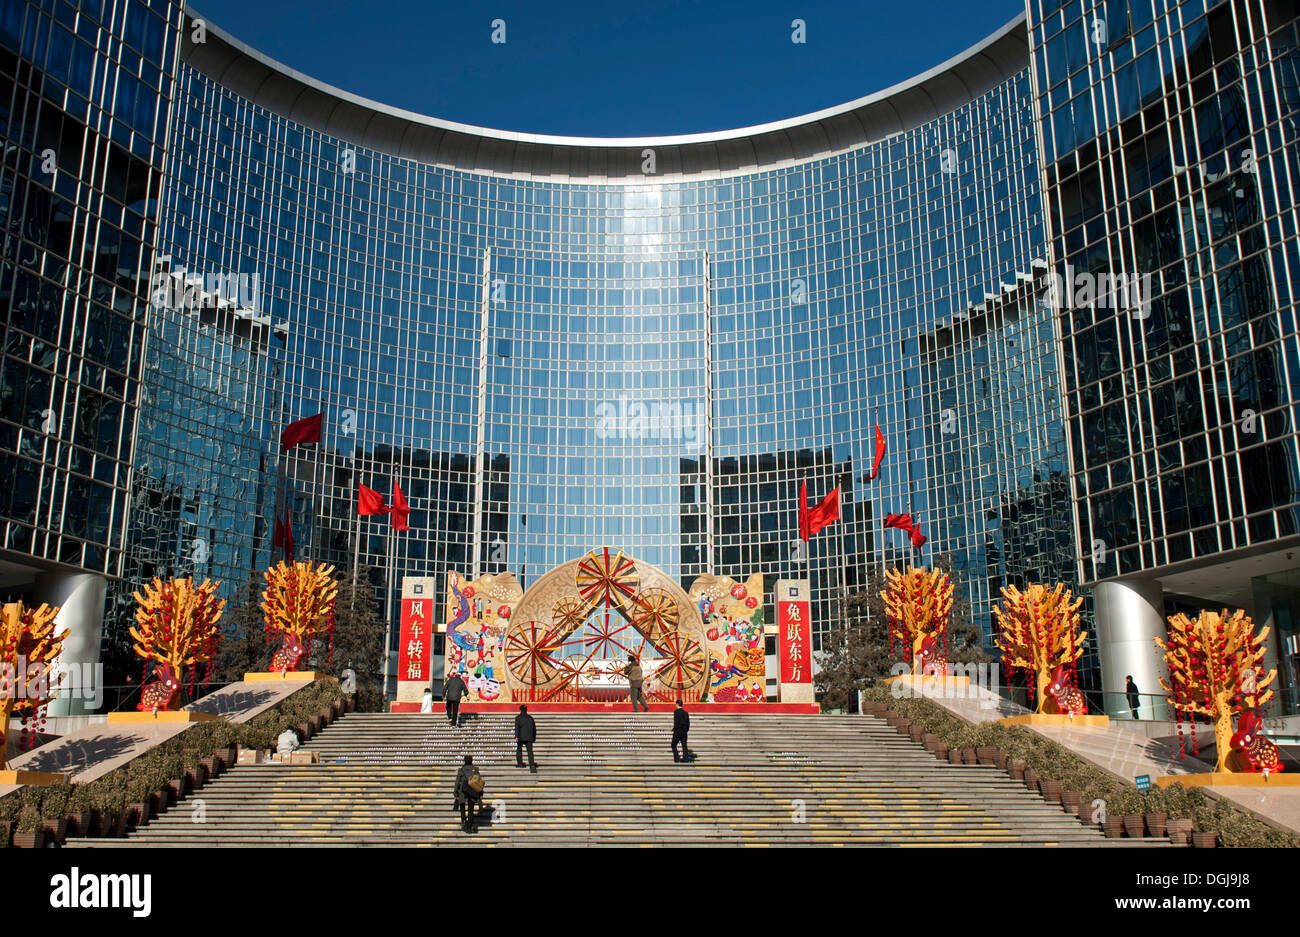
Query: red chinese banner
pixel 414 651
pixel 793 619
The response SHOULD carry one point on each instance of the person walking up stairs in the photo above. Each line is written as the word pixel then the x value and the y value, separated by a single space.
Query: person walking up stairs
pixel 525 736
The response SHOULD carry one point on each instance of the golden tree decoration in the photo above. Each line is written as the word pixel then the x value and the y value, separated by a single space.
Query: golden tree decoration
pixel 298 602
pixel 917 606
pixel 28 649
pixel 1215 671
pixel 177 626
pixel 1039 631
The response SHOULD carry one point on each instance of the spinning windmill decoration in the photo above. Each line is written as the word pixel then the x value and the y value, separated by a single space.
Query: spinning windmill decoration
pixel 619 614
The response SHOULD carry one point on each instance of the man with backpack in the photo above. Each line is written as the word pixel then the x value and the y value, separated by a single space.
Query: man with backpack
pixel 525 736
pixel 452 691
pixel 681 726
pixel 469 793
pixel 635 678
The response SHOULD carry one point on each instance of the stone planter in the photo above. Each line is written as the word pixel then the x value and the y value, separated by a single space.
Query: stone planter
pixel 315 724
pixel 195 777
pixel 1000 759
pixel 326 717
pixel 968 755
pixel 1016 768
pixel 986 754
pixel 1031 779
pixel 95 825
pixel 304 730
pixel 212 766
pixel 1134 826
pixel 176 787
pixel 1204 840
pixel 1179 831
pixel 336 708
pixel 1051 790
pixel 1157 824
pixel 904 727
pixel 30 840
pixel 350 705
pixel 137 815
pixel 55 830
pixel 941 750
pixel 930 741
pixel 78 824
pixel 891 719
pixel 1071 801
pixel 116 824
pixel 229 756
pixel 954 756
pixel 1113 827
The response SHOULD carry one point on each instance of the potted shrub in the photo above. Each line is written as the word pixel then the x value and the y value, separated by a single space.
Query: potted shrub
pixel 28 832
pixel 941 750
pixel 1072 801
pixel 1203 828
pixel 1031 779
pixel 1000 759
pixel 1051 790
pixel 968 756
pixel 79 803
pixel 930 741
pixel 985 754
pixel 54 812
pixel 1016 768
pixel 954 756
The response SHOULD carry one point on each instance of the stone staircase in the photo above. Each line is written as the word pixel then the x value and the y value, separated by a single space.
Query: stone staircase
pixel 608 779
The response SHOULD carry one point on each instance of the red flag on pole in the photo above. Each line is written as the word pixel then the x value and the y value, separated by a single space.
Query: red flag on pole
pixel 370 502
pixel 901 521
pixel 918 538
pixel 880 454
pixel 284 536
pixel 803 511
pixel 400 510
pixel 826 512
pixel 302 432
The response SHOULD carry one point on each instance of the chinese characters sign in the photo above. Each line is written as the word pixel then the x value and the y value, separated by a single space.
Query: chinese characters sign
pixel 415 651
pixel 794 629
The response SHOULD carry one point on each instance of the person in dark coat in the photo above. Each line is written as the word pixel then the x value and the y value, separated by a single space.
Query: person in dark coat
pixel 452 691
pixel 525 736
pixel 1131 690
pixel 635 679
pixel 467 798
pixel 681 725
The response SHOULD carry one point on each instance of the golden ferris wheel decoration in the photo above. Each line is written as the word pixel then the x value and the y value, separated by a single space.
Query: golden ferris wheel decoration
pixel 596 613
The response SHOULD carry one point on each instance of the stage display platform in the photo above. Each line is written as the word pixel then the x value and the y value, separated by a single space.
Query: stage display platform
pixel 702 709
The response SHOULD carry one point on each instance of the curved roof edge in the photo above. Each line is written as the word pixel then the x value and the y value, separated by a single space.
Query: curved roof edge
pixel 408 135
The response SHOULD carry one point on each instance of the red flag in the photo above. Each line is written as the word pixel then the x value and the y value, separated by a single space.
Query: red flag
pixel 901 521
pixel 302 432
pixel 803 511
pixel 370 502
pixel 284 536
pixel 918 538
pixel 400 510
pixel 826 512
pixel 880 454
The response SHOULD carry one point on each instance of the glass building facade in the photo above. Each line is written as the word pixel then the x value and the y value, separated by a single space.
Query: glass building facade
pixel 555 344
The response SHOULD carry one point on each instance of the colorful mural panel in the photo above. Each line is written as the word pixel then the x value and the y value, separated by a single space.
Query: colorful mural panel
pixel 477 615
pixel 733 622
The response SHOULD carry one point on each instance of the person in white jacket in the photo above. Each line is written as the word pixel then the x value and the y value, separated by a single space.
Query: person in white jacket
pixel 426 704
pixel 287 742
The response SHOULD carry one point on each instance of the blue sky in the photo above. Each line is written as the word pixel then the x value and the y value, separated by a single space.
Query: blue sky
pixel 610 68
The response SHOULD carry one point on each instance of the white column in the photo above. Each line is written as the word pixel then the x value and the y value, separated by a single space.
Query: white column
pixel 80 598
pixel 1130 615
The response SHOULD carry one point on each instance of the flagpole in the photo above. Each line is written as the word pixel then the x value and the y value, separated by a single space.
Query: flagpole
pixel 388 605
